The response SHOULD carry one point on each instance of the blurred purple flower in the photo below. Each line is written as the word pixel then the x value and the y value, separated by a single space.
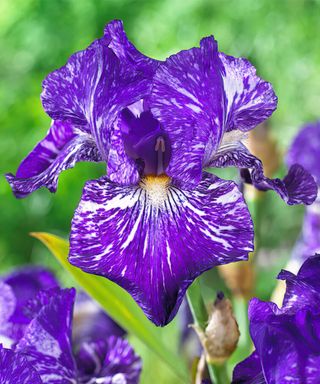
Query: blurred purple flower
pixel 44 352
pixel 17 289
pixel 287 340
pixel 90 322
pixel 157 221
pixel 305 150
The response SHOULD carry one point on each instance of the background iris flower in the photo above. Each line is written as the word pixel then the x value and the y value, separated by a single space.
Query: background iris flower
pixel 305 150
pixel 287 339
pixel 40 344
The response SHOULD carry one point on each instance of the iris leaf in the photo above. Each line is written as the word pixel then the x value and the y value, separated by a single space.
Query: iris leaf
pixel 117 303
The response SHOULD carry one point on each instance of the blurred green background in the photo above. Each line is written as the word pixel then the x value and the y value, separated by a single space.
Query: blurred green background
pixel 281 38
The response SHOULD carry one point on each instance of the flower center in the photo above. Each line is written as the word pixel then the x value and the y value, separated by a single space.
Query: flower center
pixel 145 141
pixel 157 189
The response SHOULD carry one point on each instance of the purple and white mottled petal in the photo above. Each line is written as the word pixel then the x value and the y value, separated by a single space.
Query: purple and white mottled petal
pixel 288 344
pixel 121 364
pixel 305 149
pixel 298 186
pixel 187 98
pixel 47 339
pixel 90 90
pixel 15 369
pixel 249 371
pixel 47 150
pixel 68 92
pixel 89 357
pixel 249 100
pixel 26 283
pixel 126 51
pixel 303 290
pixel 126 86
pixel 80 148
pixel 124 233
pixel 110 361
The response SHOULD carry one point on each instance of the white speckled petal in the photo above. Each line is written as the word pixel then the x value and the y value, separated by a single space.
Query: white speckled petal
pixel 187 98
pixel 47 339
pixel 249 100
pixel 154 240
pixel 44 164
pixel 15 369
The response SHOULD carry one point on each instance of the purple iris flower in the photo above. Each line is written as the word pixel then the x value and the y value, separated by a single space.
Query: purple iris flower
pixel 305 150
pixel 287 340
pixel 45 350
pixel 156 221
pixel 17 289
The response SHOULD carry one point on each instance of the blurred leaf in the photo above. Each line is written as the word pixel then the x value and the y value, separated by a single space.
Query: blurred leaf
pixel 117 303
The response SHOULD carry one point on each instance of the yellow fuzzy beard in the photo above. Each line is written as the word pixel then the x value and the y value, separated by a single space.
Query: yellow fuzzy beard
pixel 156 188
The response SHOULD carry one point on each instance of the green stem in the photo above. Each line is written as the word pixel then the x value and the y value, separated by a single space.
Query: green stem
pixel 196 304
pixel 240 308
pixel 218 373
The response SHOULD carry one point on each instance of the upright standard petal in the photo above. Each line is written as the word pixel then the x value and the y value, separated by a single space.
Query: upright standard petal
pixel 249 100
pixel 47 339
pixel 61 149
pixel 126 51
pixel 15 369
pixel 187 98
pixel 305 149
pixel 139 236
pixel 298 186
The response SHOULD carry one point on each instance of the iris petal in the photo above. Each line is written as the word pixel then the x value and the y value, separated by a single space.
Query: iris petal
pixel 305 149
pixel 61 149
pixel 187 98
pixel 249 100
pixel 155 240
pixel 298 187
pixel 46 342
pixel 15 369
pixel 249 371
pixel 126 51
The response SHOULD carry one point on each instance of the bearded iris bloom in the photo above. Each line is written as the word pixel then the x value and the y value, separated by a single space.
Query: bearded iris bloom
pixel 45 348
pixel 287 340
pixel 305 150
pixel 157 220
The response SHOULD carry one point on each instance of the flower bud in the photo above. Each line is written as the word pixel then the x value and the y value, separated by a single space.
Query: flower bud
pixel 220 338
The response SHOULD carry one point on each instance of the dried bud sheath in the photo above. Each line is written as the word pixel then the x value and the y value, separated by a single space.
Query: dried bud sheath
pixel 220 338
